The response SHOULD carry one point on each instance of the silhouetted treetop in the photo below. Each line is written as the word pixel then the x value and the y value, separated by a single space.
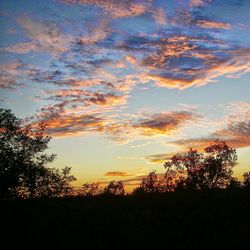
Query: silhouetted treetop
pixel 115 188
pixel 23 171
pixel 208 170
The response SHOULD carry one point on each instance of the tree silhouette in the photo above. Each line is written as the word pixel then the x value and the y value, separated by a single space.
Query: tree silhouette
pixel 23 171
pixel 161 183
pixel 208 170
pixel 246 181
pixel 91 189
pixel 115 188
pixel 149 184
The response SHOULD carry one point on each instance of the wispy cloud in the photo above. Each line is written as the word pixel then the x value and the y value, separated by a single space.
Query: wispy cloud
pixel 160 16
pixel 13 74
pixel 116 9
pixel 199 3
pixel 43 36
pixel 234 129
pixel 213 24
pixel 159 158
pixel 117 174
pixel 164 123
pixel 71 125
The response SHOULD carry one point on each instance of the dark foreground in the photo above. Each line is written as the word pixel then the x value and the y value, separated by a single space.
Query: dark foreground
pixel 213 220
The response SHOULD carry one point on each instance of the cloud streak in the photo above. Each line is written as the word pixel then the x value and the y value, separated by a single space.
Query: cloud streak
pixel 116 9
pixel 117 174
pixel 164 123
pixel 45 37
pixel 235 130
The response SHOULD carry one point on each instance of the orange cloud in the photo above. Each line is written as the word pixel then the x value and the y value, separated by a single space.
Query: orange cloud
pixel 116 9
pixel 128 127
pixel 67 122
pixel 159 158
pixel 117 174
pixel 238 63
pixel 213 24
pixel 167 48
pixel 164 123
pixel 74 96
pixel 68 125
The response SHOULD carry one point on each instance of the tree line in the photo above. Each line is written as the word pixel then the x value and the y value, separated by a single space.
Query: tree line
pixel 24 172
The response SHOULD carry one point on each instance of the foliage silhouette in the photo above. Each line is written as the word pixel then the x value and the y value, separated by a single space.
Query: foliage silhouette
pixel 209 170
pixel 149 184
pixel 246 181
pixel 91 189
pixel 114 188
pixel 23 171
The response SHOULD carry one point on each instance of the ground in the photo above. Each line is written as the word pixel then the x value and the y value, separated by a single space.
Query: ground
pixel 211 220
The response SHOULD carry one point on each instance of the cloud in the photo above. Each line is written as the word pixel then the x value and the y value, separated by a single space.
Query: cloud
pixel 199 3
pixel 164 123
pixel 44 36
pixel 97 66
pixel 181 61
pixel 166 49
pixel 116 9
pixel 22 48
pixel 235 130
pixel 87 98
pixel 96 34
pixel 159 16
pixel 213 24
pixel 71 117
pixel 117 174
pixel 59 125
pixel 12 74
pixel 203 142
pixel 159 158
pixel 129 127
pixel 200 68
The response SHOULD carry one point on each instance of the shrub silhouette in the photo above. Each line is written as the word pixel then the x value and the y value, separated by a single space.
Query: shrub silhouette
pixel 23 171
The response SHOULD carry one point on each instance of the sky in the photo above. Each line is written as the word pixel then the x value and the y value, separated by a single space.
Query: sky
pixel 123 85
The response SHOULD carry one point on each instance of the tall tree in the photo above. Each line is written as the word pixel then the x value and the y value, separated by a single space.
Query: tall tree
pixel 208 170
pixel 23 171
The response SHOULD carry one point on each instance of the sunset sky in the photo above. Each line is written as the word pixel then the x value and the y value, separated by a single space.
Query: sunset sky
pixel 123 85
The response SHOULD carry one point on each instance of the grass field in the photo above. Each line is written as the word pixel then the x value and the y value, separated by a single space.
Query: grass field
pixel 212 220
